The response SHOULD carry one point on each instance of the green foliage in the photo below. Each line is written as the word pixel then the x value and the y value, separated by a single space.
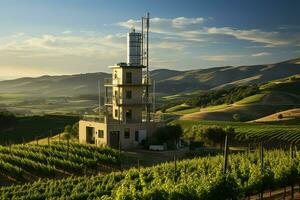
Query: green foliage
pixel 214 97
pixel 71 131
pixel 245 131
pixel 169 133
pixel 209 134
pixel 223 96
pixel 236 117
pixel 200 179
pixel 27 128
pixel 7 119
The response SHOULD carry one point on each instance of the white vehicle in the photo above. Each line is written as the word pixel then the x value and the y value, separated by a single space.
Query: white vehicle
pixel 157 147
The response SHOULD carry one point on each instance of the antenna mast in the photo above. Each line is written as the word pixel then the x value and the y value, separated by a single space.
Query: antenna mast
pixel 145 55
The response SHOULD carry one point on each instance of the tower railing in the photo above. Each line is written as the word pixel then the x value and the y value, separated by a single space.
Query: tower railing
pixel 118 82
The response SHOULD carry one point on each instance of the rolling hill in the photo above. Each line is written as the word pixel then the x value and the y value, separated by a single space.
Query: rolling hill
pixel 168 82
pixel 274 96
pixel 287 116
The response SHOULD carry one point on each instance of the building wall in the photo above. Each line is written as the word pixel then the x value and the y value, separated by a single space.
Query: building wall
pixel 126 143
pixel 97 126
pixel 119 93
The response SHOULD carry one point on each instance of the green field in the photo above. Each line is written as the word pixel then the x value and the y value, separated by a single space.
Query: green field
pixel 27 128
pixel 252 99
pixel 29 105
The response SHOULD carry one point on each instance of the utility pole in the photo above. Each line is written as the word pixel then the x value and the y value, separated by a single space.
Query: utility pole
pixel 99 96
pixel 292 157
pixel 261 165
pixel 175 169
pixel 225 154
pixel 153 103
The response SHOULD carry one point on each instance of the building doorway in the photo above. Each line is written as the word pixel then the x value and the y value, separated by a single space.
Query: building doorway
pixel 90 137
pixel 114 140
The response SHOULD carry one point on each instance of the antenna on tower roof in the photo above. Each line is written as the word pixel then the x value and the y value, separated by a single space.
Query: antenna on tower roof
pixel 145 55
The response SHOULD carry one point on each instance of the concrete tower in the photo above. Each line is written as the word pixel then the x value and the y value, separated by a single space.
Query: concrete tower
pixel 126 120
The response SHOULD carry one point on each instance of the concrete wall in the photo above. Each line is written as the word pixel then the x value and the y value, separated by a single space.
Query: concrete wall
pixel 97 126
pixel 126 143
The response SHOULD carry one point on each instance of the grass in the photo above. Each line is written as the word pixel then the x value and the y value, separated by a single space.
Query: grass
pixel 187 111
pixel 251 99
pixel 216 107
pixel 184 109
pixel 289 84
pixel 60 137
pixel 178 108
pixel 27 128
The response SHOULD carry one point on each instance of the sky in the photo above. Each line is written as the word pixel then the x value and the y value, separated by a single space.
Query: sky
pixel 53 37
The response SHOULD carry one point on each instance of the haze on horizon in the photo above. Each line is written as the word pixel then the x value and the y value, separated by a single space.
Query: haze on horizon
pixel 53 37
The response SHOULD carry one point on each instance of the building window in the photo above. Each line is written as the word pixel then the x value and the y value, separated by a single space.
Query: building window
pixel 100 134
pixel 116 113
pixel 127 133
pixel 128 77
pixel 116 74
pixel 128 114
pixel 128 94
pixel 136 136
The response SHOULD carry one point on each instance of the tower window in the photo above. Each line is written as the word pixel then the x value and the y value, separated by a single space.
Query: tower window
pixel 128 94
pixel 116 112
pixel 128 77
pixel 128 114
pixel 116 74
pixel 127 133
pixel 136 136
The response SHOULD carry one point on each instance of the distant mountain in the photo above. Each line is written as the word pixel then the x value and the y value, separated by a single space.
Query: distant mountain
pixel 66 85
pixel 167 81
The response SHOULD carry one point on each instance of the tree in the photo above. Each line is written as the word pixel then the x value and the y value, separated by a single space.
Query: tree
pixel 7 119
pixel 75 129
pixel 169 133
pixel 68 132
pixel 216 134
pixel 280 116
pixel 236 117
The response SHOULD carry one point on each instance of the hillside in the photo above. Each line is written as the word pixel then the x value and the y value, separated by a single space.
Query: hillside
pixel 273 96
pixel 168 82
pixel 65 85
pixel 285 117
pixel 219 77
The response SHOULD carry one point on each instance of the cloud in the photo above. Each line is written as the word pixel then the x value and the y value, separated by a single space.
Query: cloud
pixel 254 35
pixel 261 54
pixel 220 58
pixel 49 45
pixel 192 29
pixel 183 21
pixel 179 28
pixel 67 32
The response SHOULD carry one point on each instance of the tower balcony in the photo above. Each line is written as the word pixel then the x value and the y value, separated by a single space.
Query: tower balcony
pixel 117 82
pixel 112 100
pixel 103 118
